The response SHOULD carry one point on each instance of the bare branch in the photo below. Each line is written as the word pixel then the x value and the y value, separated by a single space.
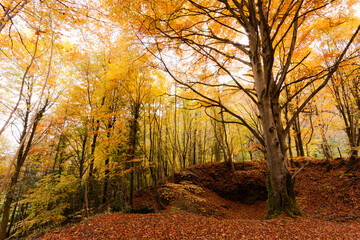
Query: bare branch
pixel 328 77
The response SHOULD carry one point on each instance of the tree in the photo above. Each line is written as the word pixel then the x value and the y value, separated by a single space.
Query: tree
pixel 344 88
pixel 31 113
pixel 227 36
pixel 17 18
pixel 139 84
pixel 26 141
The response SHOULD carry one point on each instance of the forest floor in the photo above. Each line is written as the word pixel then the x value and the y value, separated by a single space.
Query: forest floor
pixel 208 202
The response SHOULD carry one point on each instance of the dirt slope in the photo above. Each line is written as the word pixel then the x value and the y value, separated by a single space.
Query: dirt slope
pixel 326 190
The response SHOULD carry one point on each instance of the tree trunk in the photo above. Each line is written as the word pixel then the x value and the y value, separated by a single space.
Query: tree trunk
pixel 352 138
pixel 110 126
pixel 134 128
pixel 175 134
pixel 280 185
pixel 287 110
pixel 298 138
pixel 106 180
pixel 12 220
pixel 152 165
pixel 160 157
pixel 194 147
pixel 82 156
pixel 88 181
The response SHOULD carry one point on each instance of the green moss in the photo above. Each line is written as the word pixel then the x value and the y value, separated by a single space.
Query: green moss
pixel 288 203
pixel 271 213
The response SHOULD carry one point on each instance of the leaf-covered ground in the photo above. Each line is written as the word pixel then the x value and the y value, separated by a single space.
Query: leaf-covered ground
pixel 327 193
pixel 188 226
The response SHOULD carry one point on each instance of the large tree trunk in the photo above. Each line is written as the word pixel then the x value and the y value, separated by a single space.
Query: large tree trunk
pixel 280 185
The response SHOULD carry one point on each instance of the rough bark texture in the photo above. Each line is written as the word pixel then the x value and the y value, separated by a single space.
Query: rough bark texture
pixel 281 192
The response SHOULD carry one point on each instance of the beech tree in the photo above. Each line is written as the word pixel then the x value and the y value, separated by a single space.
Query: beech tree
pixel 248 48
pixel 26 140
pixel 138 85
pixel 345 90
pixel 19 18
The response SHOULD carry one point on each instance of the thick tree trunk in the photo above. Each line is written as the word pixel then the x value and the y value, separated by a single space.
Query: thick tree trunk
pixel 280 185
pixel 281 193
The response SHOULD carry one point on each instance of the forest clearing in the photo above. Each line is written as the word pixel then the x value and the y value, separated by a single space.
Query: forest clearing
pixel 203 114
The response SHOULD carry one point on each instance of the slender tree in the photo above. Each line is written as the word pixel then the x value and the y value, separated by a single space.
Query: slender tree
pixel 26 141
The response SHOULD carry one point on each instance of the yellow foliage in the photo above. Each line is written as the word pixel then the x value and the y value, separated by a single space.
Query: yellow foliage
pixel 49 201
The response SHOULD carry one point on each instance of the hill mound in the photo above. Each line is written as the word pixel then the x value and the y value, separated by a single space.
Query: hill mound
pixel 211 190
pixel 326 190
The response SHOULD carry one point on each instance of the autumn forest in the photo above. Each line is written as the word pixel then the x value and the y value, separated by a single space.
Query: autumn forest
pixel 195 112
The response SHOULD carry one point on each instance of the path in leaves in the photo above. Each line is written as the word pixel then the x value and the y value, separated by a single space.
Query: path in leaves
pixel 188 226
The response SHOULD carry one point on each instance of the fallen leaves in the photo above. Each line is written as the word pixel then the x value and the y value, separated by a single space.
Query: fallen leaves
pixel 188 226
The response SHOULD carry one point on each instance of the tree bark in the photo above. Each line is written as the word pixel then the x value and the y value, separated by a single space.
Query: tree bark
pixel 298 138
pixel 107 161
pixel 134 128
pixel 281 192
pixel 9 197
pixel 280 185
